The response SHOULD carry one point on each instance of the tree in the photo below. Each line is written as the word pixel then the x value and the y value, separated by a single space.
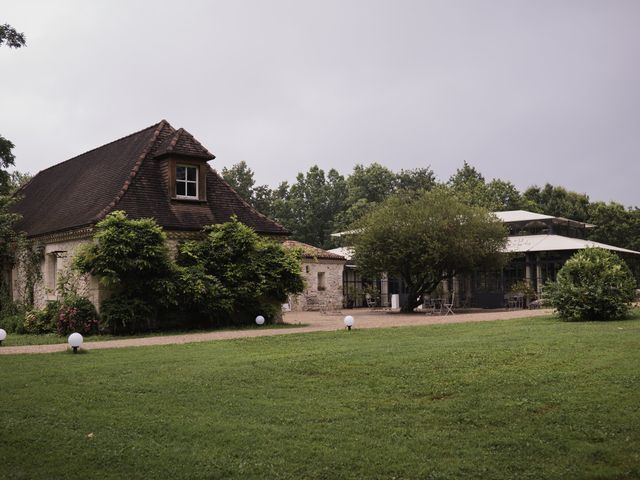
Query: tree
pixel 10 37
pixel 13 39
pixel 503 196
pixel 8 237
pixel 240 177
pixel 373 183
pixel 615 225
pixel 426 239
pixel 497 195
pixel 308 207
pixel 559 202
pixel 366 188
pixel 619 226
pixel 594 284
pixel 18 179
pixel 263 199
pixel 415 180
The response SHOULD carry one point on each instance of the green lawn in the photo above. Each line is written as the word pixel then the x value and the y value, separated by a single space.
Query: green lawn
pixel 527 399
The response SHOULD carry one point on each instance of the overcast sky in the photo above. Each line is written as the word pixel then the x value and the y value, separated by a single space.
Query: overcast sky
pixel 527 91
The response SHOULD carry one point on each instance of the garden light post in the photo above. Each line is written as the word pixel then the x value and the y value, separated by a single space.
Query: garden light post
pixel 3 335
pixel 75 340
pixel 348 321
pixel 260 320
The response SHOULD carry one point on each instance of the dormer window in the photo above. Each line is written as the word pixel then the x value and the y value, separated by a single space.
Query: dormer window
pixel 186 181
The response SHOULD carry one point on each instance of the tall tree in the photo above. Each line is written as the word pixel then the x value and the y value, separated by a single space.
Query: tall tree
pixel 10 37
pixel 366 187
pixel 619 226
pixel 263 199
pixel 308 208
pixel 503 195
pixel 8 237
pixel 240 177
pixel 415 180
pixel 427 238
pixel 559 202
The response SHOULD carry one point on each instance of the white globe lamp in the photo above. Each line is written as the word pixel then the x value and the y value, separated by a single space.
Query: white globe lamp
pixel 260 320
pixel 75 341
pixel 3 335
pixel 348 322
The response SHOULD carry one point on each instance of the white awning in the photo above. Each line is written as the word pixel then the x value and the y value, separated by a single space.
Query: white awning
pixel 550 243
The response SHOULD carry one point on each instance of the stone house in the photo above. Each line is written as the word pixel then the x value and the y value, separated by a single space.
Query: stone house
pixel 323 273
pixel 159 172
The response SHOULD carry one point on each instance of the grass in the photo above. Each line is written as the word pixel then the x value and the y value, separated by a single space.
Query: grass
pixel 15 339
pixel 528 399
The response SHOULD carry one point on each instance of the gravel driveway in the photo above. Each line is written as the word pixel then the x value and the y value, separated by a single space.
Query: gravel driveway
pixel 314 322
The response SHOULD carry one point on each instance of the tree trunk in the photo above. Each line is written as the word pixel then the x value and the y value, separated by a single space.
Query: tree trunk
pixel 415 298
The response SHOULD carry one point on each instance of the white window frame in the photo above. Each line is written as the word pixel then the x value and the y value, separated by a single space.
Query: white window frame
pixel 187 182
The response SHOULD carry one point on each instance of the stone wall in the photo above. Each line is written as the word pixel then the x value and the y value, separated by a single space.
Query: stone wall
pixel 56 261
pixel 315 297
pixel 59 252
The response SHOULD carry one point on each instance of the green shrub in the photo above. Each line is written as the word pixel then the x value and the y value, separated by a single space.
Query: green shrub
pixel 594 284
pixel 234 274
pixel 131 258
pixel 13 323
pixel 77 314
pixel 42 321
pixel 230 276
pixel 123 315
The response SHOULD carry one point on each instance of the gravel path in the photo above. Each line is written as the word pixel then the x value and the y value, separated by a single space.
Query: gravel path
pixel 314 322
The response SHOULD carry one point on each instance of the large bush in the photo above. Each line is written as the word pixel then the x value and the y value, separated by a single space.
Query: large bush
pixel 123 314
pixel 229 276
pixel 131 258
pixel 594 284
pixel 234 274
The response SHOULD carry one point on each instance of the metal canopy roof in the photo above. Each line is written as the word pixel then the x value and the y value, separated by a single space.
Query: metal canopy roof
pixel 521 216
pixel 550 243
pixel 346 252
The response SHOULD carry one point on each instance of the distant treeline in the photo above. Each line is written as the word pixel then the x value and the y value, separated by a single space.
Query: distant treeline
pixel 320 203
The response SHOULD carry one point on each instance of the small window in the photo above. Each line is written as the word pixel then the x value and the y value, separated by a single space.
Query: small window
pixel 51 271
pixel 186 181
pixel 321 280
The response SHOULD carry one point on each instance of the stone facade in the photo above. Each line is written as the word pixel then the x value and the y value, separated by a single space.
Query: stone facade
pixel 323 276
pixel 323 285
pixel 57 254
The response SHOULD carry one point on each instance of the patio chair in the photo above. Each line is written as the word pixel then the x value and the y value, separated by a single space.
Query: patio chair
pixel 449 305
pixel 371 302
pixel 510 301
pixel 431 306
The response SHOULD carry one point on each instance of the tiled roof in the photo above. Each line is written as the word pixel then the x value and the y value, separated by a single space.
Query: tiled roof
pixel 182 142
pixel 126 175
pixel 309 251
